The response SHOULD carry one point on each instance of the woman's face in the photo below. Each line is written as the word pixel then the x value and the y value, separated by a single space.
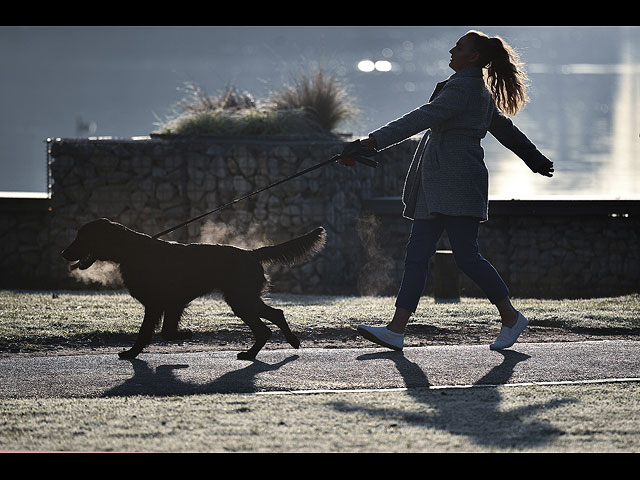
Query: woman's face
pixel 463 55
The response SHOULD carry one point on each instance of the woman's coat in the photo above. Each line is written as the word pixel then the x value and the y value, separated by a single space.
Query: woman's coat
pixel 448 164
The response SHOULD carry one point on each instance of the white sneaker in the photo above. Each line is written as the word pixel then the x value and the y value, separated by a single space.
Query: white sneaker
pixel 382 336
pixel 509 335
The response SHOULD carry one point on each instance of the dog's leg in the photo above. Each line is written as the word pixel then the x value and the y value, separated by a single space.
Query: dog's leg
pixel 249 315
pixel 261 333
pixel 170 325
pixel 276 316
pixel 151 318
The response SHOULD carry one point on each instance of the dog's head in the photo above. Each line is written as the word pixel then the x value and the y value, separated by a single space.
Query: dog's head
pixel 92 243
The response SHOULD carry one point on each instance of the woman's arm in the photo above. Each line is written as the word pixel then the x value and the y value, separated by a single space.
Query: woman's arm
pixel 503 129
pixel 450 102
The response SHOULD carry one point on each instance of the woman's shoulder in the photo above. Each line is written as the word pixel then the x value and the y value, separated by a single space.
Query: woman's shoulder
pixel 465 81
pixel 467 88
pixel 475 84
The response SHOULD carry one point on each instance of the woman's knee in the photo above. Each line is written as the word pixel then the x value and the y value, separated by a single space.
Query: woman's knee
pixel 416 263
pixel 469 262
pixel 465 256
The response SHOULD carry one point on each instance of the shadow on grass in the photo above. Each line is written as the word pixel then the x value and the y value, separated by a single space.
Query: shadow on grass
pixel 123 340
pixel 477 413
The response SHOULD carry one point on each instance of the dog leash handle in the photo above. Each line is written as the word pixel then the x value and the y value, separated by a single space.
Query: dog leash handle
pixel 369 162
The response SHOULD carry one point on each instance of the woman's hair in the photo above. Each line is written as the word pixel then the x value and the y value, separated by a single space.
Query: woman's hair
pixel 505 78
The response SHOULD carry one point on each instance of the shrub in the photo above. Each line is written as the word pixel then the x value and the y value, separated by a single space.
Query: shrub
pixel 198 101
pixel 321 95
pixel 243 122
pixel 312 106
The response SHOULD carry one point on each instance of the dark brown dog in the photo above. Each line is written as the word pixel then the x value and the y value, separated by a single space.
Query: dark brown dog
pixel 166 276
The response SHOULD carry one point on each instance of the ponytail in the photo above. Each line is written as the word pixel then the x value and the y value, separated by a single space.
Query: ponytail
pixel 505 78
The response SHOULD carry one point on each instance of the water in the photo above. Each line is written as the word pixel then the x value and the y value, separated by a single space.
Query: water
pixel 584 117
pixel 78 82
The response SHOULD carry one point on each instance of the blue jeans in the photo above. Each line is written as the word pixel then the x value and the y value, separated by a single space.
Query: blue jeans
pixel 463 236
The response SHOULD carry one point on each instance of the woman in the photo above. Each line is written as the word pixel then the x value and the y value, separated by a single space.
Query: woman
pixel 446 187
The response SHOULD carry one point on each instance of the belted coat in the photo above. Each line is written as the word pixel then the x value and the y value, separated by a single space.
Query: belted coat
pixel 448 169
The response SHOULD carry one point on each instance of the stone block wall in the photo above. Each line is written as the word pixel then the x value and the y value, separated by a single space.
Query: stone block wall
pixel 24 235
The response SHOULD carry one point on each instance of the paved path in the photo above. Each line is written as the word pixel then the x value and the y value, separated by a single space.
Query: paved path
pixel 316 369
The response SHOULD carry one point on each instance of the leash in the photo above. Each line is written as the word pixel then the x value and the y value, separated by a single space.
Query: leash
pixel 358 158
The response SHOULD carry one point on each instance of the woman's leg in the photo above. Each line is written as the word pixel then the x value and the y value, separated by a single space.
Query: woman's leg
pixel 400 319
pixel 463 235
pixel 420 248
pixel 508 314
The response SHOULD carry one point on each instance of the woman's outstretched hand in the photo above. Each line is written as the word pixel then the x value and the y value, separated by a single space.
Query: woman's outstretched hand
pixel 546 169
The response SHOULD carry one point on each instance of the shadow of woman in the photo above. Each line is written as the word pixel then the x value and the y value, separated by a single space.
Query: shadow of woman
pixel 162 380
pixel 477 413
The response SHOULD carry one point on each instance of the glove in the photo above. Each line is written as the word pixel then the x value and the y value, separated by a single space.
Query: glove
pixel 357 152
pixel 356 148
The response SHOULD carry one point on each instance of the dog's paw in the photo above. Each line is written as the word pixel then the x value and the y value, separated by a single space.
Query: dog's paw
pixel 128 354
pixel 184 335
pixel 246 355
pixel 293 341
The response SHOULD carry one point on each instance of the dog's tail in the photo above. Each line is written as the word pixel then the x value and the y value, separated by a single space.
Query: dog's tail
pixel 293 251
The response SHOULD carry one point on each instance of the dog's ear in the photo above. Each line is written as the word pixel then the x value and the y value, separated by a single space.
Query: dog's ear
pixel 95 235
pixel 93 224
pixel 110 223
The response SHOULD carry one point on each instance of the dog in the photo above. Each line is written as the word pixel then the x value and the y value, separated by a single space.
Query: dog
pixel 166 276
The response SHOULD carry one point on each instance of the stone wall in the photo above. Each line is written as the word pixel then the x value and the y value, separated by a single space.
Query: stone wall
pixel 561 249
pixel 24 235
pixel 541 248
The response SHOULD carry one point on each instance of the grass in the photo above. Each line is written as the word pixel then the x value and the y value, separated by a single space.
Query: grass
pixel 561 418
pixel 33 321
